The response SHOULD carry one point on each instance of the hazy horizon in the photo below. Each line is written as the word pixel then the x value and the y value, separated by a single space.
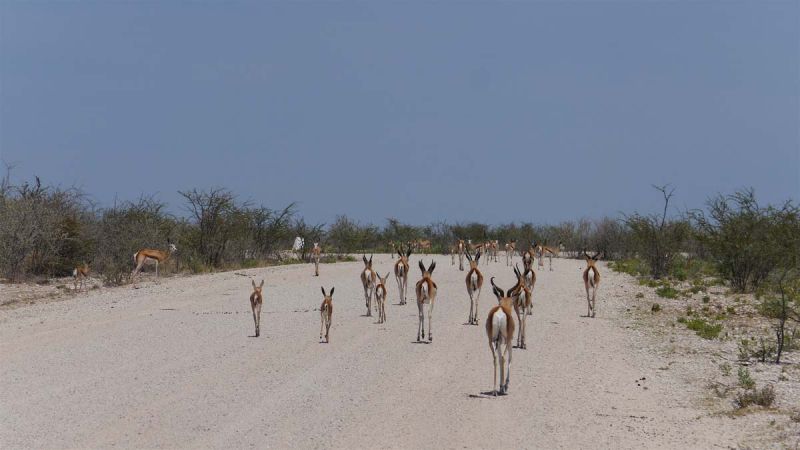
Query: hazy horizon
pixel 503 112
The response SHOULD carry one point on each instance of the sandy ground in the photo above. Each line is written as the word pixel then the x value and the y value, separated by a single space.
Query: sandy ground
pixel 173 364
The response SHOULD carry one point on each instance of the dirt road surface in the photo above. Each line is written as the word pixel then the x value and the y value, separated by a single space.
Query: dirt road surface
pixel 173 365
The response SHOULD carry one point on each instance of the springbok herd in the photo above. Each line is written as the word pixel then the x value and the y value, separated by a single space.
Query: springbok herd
pixel 500 323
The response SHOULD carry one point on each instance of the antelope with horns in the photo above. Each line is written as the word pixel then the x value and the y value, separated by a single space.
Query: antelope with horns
pixel 500 330
pixel 256 300
pixel 401 274
pixel 316 252
pixel 550 252
pixel 523 302
pixel 458 249
pixel 591 280
pixel 528 275
pixel 474 284
pixel 426 294
pixel 325 314
pixel 147 255
pixel 79 275
pixel 511 247
pixel 380 297
pixel 369 280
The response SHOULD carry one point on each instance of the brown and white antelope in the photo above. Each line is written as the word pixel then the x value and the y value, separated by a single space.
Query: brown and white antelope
pixel 528 275
pixel 79 275
pixel 401 274
pixel 523 303
pixel 326 314
pixel 500 331
pixel 511 247
pixel 550 252
pixel 256 299
pixel 495 246
pixel 316 252
pixel 474 282
pixel 380 297
pixel 368 280
pixel 458 249
pixel 148 255
pixel 426 295
pixel 591 280
pixel 423 245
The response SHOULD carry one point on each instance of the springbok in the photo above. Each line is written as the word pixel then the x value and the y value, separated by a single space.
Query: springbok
pixel 511 247
pixel 148 255
pixel 474 284
pixel 316 252
pixel 551 252
pixel 458 249
pixel 401 274
pixel 528 275
pixel 380 297
pixel 426 294
pixel 325 314
pixel 256 299
pixel 591 280
pixel 368 280
pixel 79 275
pixel 423 245
pixel 522 301
pixel 500 330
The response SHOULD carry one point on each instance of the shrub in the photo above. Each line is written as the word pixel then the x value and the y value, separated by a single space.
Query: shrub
pixel 761 397
pixel 745 380
pixel 704 329
pixel 655 308
pixel 667 292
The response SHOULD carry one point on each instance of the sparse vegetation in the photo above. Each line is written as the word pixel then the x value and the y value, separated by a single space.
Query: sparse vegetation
pixel 667 292
pixel 704 329
pixel 745 380
pixel 761 397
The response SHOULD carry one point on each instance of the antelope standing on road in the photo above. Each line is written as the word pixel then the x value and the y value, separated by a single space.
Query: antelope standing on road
pixel 380 297
pixel 500 331
pixel 511 247
pixel 426 294
pixel 474 284
pixel 325 314
pixel 528 275
pixel 591 280
pixel 401 274
pixel 458 249
pixel 147 255
pixel 369 280
pixel 523 302
pixel 79 275
pixel 550 252
pixel 316 252
pixel 256 299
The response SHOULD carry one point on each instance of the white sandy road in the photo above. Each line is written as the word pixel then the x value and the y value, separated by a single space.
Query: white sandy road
pixel 173 365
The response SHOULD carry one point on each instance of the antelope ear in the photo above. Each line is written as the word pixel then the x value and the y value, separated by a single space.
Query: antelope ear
pixel 364 257
pixel 254 283
pixel 323 291
pixel 332 291
pixel 421 266
pixel 261 285
pixel 432 266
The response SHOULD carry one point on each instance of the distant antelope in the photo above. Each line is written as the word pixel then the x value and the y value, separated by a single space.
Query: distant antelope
pixel 474 284
pixel 394 247
pixel 591 280
pixel 523 302
pixel 426 294
pixel 550 252
pixel 316 252
pixel 79 275
pixel 380 297
pixel 495 246
pixel 326 314
pixel 458 249
pixel 500 331
pixel 528 275
pixel 423 245
pixel 368 280
pixel 511 247
pixel 401 274
pixel 147 255
pixel 256 300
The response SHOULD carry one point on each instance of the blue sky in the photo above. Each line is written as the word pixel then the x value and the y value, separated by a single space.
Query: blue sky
pixel 424 111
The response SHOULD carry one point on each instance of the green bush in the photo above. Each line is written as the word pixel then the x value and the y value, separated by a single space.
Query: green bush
pixel 761 397
pixel 704 329
pixel 667 292
pixel 745 380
